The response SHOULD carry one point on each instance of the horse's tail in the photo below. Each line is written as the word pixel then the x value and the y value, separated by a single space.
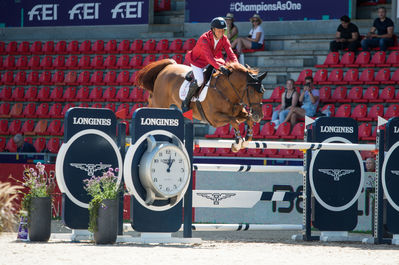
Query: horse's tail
pixel 146 77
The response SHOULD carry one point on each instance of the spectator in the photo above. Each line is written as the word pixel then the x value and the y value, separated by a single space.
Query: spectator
pixel 347 36
pixel 22 146
pixel 309 99
pixel 384 37
pixel 370 164
pixel 231 31
pixel 254 39
pixel 289 100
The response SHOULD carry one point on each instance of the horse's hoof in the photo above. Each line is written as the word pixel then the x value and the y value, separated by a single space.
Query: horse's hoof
pixel 235 148
pixel 244 144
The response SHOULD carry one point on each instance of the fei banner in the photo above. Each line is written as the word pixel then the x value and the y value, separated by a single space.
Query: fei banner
pixel 269 10
pixel 38 13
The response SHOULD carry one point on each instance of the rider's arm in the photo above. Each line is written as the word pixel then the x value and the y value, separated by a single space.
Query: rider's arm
pixel 207 52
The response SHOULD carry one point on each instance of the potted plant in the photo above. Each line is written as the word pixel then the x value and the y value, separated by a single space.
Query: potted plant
pixel 103 207
pixel 36 203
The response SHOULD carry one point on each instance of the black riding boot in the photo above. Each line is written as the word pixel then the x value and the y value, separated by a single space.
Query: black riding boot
pixel 185 106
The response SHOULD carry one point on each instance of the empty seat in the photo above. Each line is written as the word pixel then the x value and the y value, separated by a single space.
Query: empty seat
pixel 59 62
pixel 343 111
pixel 123 110
pixel 110 78
pixel 276 95
pixel 58 78
pixel 16 110
pixel 2 143
pixel 85 47
pixel 392 111
pixel 44 94
pixel 330 107
pixel 69 94
pixel 367 77
pixel 20 78
pixel 134 108
pixel 176 46
pixel 27 127
pixel 5 110
pixel 375 111
pixel 9 62
pixel 364 131
pixel 15 127
pixel 71 78
pixel 42 111
pixel 84 62
pixel 331 59
pixel 355 94
pixel 163 46
pixel 178 58
pixel 388 94
pixel 220 132
pixel 133 78
pixel 149 46
pixel 136 95
pixel 110 62
pixel 73 47
pixel 34 63
pixel 371 94
pixel 53 145
pixel 267 131
pixel 97 62
pixel 33 78
pixel 12 47
pixel 57 94
pixel 377 60
pixel 123 62
pixel 110 94
pixel 339 95
pixel 325 94
pixel 6 94
pixel 189 44
pixel 96 94
pixel 302 75
pixel 383 76
pixel 49 47
pixel 111 46
pixel 55 111
pixel 123 78
pixel 97 79
pixel 359 112
pixel 8 78
pixel 124 46
pixel 320 76
pixel 72 62
pixel 98 47
pixel 66 108
pixel 84 78
pixel 4 127
pixel 18 94
pixel 335 77
pixel 61 47
pixel 352 77
pixel 24 48
pixel 361 60
pixel 136 62
pixel 22 63
pixel 283 130
pixel 83 94
pixel 149 59
pixel 11 146
pixel 45 78
pixel 40 144
pixel 137 46
pixel 30 110
pixel 393 60
pixel 241 128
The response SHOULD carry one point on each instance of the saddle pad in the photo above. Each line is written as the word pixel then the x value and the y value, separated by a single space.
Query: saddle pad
pixel 184 89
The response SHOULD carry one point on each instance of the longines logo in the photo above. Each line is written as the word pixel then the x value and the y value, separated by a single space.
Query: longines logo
pixel 395 129
pixel 92 121
pixel 336 129
pixel 395 172
pixel 337 173
pixel 216 197
pixel 159 122
pixel 90 168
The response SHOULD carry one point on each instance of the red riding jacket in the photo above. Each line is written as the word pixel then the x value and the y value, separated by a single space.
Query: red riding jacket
pixel 204 52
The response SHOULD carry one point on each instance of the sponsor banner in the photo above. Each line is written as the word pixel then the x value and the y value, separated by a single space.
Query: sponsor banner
pixel 37 13
pixel 269 10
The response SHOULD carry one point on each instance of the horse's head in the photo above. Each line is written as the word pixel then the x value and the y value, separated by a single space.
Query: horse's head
pixel 248 83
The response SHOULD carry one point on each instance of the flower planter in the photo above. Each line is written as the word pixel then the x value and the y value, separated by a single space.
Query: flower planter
pixel 39 221
pixel 107 222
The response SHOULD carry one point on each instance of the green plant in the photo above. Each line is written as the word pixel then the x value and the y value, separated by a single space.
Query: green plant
pixel 100 188
pixel 8 193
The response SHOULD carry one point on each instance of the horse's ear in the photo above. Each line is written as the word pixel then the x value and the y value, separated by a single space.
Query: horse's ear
pixel 262 76
pixel 250 77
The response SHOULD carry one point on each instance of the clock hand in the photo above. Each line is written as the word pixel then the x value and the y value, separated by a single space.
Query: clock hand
pixel 170 162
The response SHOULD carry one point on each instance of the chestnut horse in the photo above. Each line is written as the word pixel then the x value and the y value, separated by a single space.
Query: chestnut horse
pixel 232 99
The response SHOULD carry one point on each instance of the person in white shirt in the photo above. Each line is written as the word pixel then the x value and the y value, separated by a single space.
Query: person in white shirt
pixel 254 39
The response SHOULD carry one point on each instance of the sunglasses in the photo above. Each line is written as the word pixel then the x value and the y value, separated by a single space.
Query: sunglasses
pixel 255 20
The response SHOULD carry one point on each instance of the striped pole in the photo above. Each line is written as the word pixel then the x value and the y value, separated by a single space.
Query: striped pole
pixel 286 145
pixel 246 227
pixel 248 168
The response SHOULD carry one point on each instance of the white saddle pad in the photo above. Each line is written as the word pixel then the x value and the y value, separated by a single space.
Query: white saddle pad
pixel 184 89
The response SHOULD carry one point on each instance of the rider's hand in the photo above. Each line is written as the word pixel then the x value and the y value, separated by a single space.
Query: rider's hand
pixel 224 70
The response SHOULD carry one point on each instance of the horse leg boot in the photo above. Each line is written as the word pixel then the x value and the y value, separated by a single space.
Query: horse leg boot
pixel 185 106
pixel 236 146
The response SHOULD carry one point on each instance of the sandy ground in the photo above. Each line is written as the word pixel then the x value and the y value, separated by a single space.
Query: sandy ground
pixel 246 247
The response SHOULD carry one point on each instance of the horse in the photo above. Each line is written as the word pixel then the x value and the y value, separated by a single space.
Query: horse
pixel 231 99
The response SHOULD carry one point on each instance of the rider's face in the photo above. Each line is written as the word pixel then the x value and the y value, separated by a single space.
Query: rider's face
pixel 218 33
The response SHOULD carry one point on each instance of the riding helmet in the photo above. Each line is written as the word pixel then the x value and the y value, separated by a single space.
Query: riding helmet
pixel 219 23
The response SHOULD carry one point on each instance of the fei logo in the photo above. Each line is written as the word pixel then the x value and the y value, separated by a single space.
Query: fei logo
pixel 43 12
pixel 128 10
pixel 84 11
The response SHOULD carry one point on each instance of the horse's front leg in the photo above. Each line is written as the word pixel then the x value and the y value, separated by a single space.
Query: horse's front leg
pixel 236 146
pixel 250 133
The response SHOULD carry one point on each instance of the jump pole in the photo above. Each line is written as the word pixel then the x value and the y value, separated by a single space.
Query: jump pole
pixel 248 168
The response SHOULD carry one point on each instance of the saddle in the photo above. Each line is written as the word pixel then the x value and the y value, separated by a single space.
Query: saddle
pixel 207 75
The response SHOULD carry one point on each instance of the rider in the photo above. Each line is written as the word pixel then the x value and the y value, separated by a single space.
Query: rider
pixel 208 50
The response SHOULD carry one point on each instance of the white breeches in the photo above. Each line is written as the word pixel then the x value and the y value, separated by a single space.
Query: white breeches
pixel 198 74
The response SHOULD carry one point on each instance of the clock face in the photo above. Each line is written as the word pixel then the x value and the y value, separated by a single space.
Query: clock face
pixel 169 170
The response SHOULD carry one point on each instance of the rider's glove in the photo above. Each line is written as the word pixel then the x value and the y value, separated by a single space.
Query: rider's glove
pixel 224 70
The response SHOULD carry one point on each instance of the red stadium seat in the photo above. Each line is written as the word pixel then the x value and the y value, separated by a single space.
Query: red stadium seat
pixel 5 110
pixel 205 151
pixel 163 46
pixel 36 48
pixel 136 62
pixel 9 63
pixel 331 59
pixel 359 112
pixel 388 94
pixel 271 153
pixel 96 94
pixel 97 79
pixel 134 108
pixel 163 56
pixel 11 146
pixel 53 145
pixel 70 94
pixel 123 107
pixel 325 94
pixel 355 94
pixel 8 78
pixel 2 48
pixel 267 131
pixel 20 78
pixel 24 48
pixel 136 95
pixel 361 60
pixel 298 131
pixel 392 111
pixel 30 110
pixel 330 107
pixel 110 106
pixel 320 76
pixel 49 47
pixel 58 78
pixel 15 127
pixel 40 144
pixel 149 59
pixel 393 60
pixel 123 78
pixel 16 110
pixel 336 77
pixel 176 46
pixel 97 105
pixel 267 110
pixel 371 94
pixel 162 5
pixel 2 143
pixel 110 78
pixel 12 47
pixel 84 62
pixel 98 47
pixel 4 127
pixel 375 111
pixel 73 47
pixel 28 127
pixel 18 94
pixel 71 79
pixel 123 62
pixel 97 62
pixel 123 94
pixel 367 77
pixel 343 111
pixel 111 47
pixel 133 78
pixel 377 60
pixel 59 62
pixel 42 111
pixel 110 62
pixel 220 132
pixel 383 76
pixel 6 94
pixel 72 62
pixel 395 76
pixel 44 94
pixel 22 63
pixel 283 130
pixel 33 78
pixel 66 108
pixel 226 152
pixel 85 47
pixel 149 46
pixel 339 95
pixel 110 94
pixel 276 95
pixel 189 45
pixel 61 47
pixel 352 77
pixel 1 62
pixel 137 46
pixel 302 75
pixel 364 131
pixel 178 58
pixel 83 94
pixel 57 94
pixel 84 78
pixel 124 46
pixel 232 133
pixel 45 78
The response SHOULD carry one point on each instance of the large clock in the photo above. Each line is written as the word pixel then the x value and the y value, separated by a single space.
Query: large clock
pixel 164 171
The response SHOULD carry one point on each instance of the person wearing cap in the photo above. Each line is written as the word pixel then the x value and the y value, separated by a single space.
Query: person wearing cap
pixel 208 51
pixel 231 31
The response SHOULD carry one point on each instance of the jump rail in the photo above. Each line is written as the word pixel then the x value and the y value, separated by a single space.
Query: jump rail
pixel 246 227
pixel 248 168
pixel 286 145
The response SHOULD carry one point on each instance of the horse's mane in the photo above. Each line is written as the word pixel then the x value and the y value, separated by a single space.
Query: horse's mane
pixel 146 77
pixel 239 67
